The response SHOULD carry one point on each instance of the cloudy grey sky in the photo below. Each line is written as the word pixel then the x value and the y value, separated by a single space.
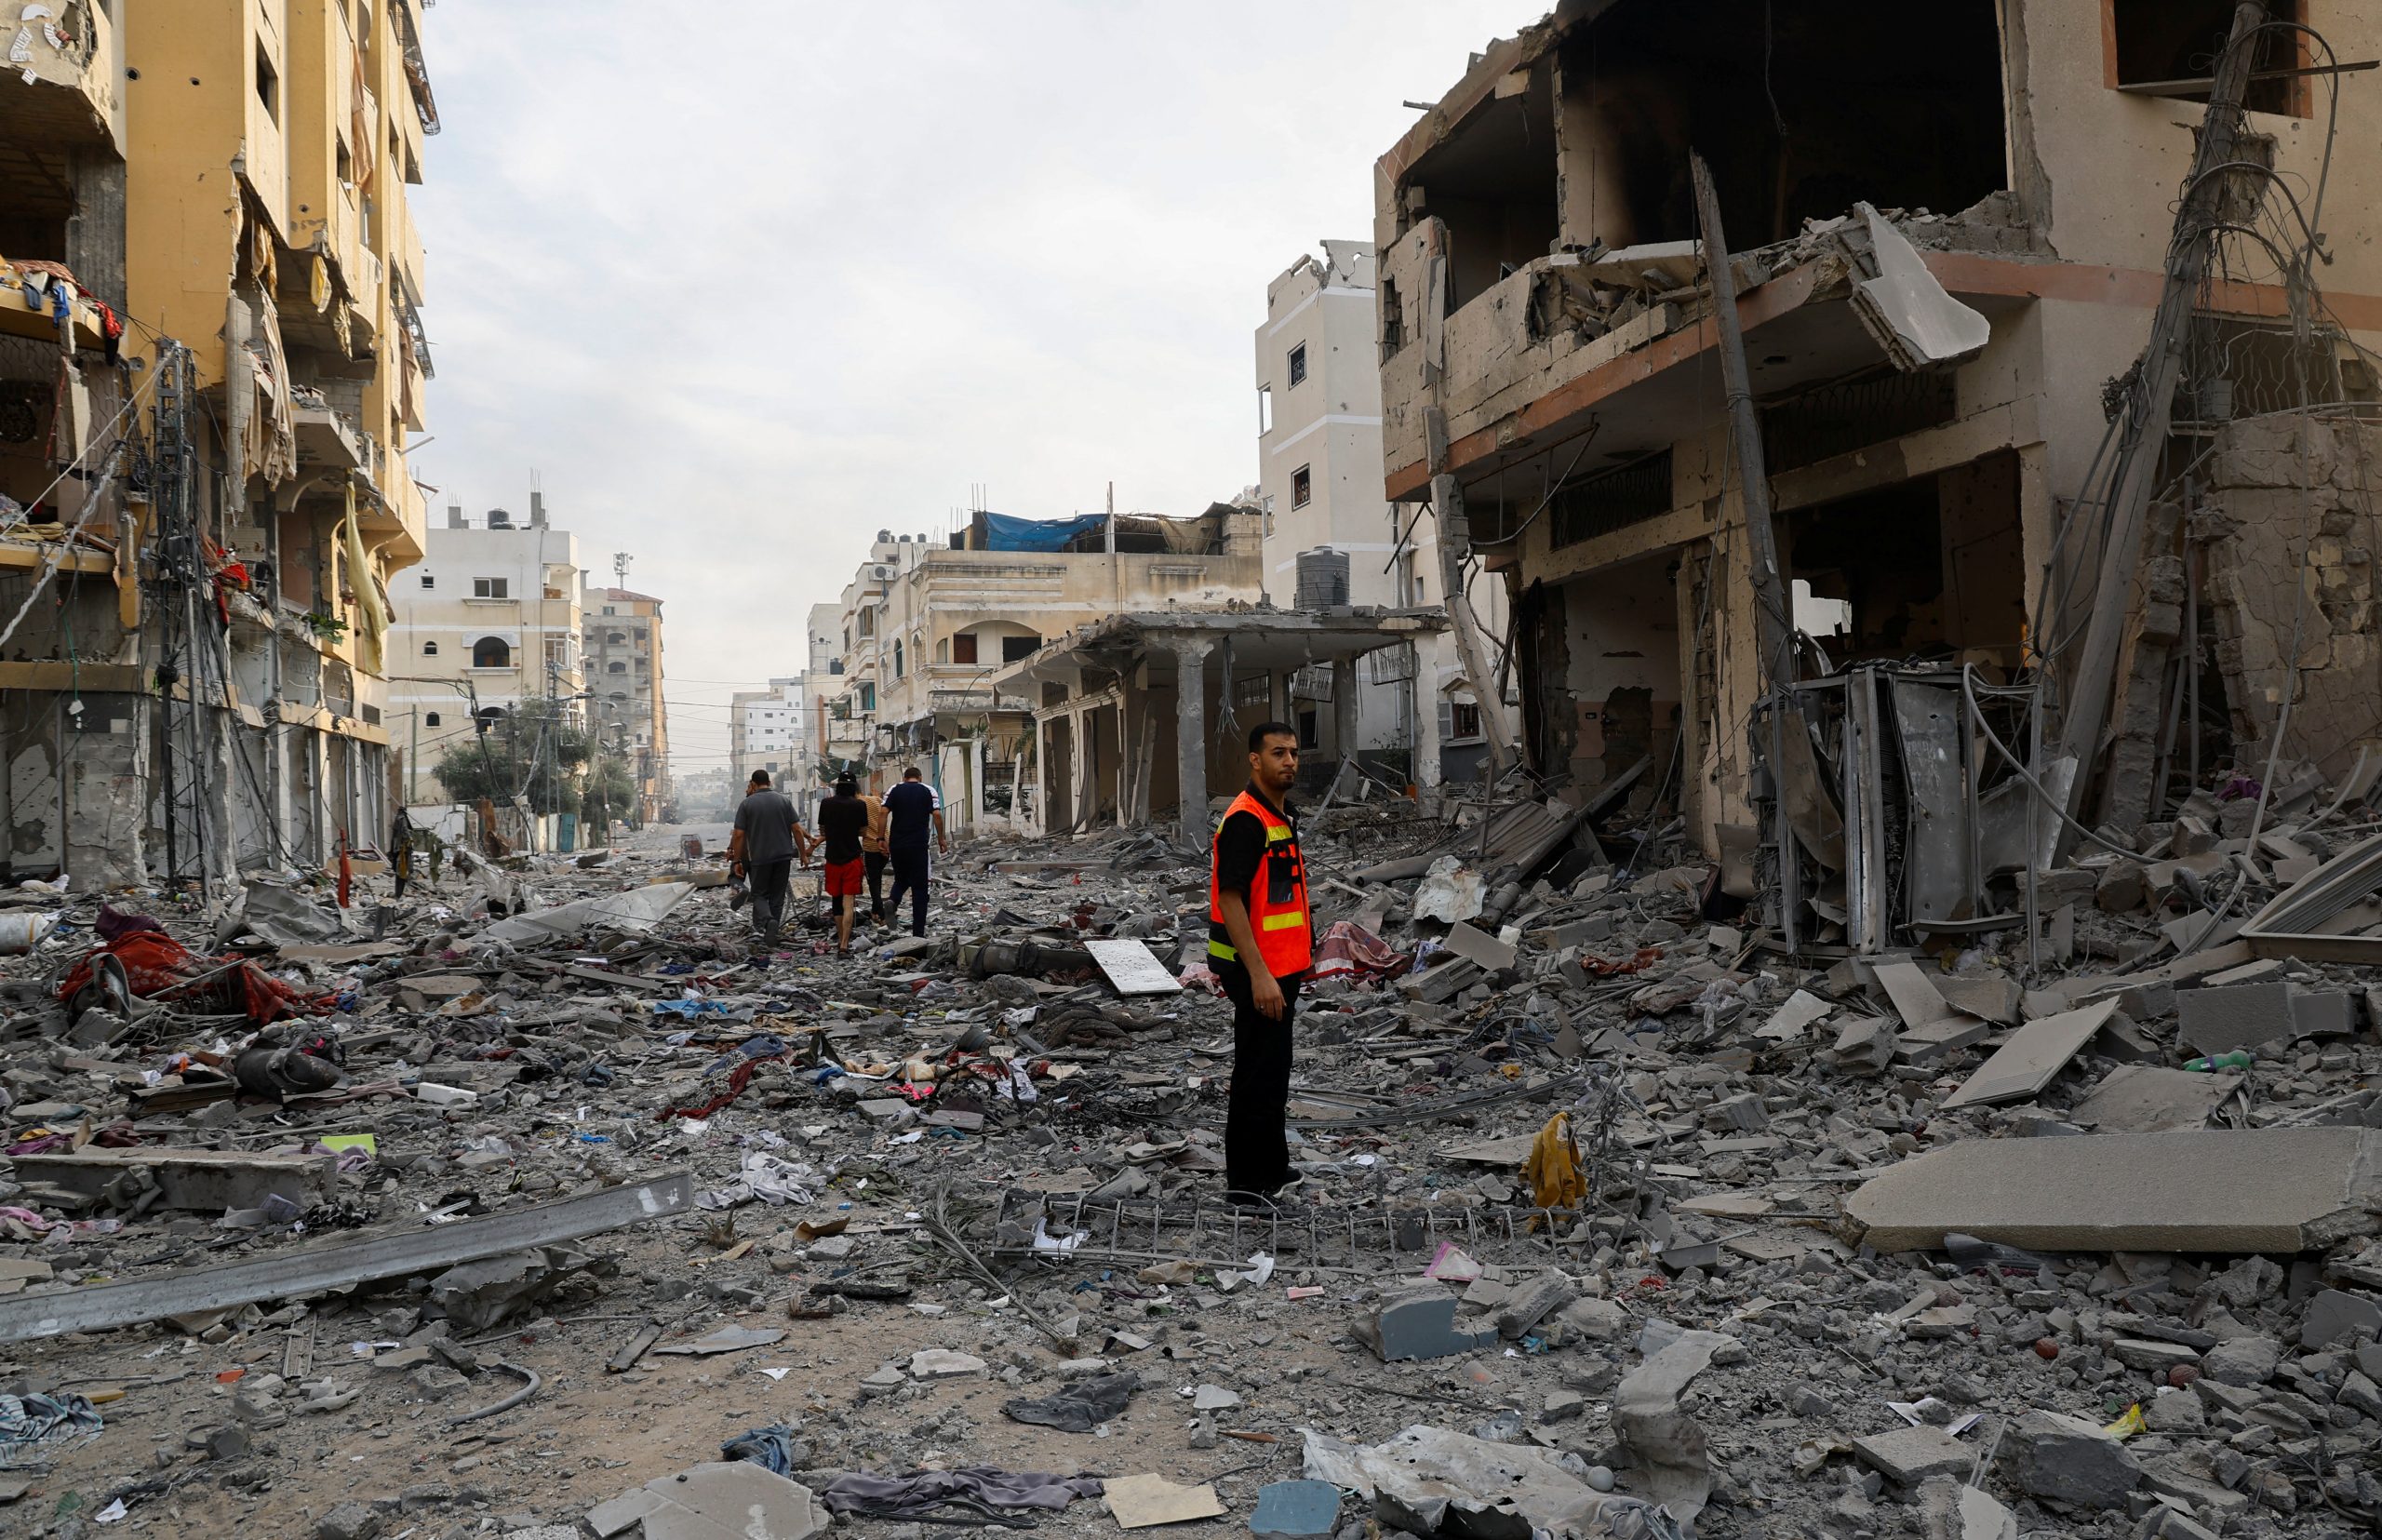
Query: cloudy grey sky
pixel 744 282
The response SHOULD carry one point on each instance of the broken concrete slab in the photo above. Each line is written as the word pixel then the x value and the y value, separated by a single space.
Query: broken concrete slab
pixel 2151 1099
pixel 717 1500
pixel 340 1263
pixel 203 1181
pixel 1668 1445
pixel 1914 994
pixel 942 1363
pixel 1994 997
pixel 1908 1457
pixel 2033 1057
pixel 2265 1190
pixel 2238 1016
pixel 1795 1017
pixel 1420 1324
pixel 2335 1316
pixel 1475 945
pixel 2069 1460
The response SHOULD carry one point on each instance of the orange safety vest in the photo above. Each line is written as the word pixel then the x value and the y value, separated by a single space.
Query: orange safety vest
pixel 1277 910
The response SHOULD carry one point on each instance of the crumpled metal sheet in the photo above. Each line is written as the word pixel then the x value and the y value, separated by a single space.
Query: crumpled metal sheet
pixel 638 909
pixel 1432 1482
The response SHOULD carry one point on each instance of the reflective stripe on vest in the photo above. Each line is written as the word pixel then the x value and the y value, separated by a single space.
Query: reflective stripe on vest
pixel 1277 904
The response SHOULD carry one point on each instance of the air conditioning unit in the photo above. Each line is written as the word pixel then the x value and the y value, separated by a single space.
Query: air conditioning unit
pixel 880 574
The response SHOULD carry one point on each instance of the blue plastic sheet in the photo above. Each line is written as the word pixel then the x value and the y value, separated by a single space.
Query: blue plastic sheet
pixel 1005 533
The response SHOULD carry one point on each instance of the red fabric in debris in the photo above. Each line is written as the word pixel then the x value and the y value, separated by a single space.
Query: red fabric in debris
pixel 738 1079
pixel 159 967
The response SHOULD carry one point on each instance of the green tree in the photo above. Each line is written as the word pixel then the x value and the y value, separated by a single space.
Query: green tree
pixel 611 793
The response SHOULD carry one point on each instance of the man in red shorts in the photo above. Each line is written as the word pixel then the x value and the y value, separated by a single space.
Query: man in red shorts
pixel 843 817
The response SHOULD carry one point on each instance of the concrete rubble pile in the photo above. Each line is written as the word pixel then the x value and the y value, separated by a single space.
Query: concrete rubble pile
pixel 545 1202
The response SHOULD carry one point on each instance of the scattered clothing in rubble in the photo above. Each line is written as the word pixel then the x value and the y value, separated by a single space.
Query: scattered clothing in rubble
pixel 930 1493
pixel 1080 1407
pixel 29 1420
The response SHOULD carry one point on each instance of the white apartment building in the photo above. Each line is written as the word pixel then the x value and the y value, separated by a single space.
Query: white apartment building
pixel 1320 454
pixel 488 618
pixel 771 732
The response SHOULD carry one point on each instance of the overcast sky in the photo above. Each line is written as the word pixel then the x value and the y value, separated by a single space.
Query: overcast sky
pixel 744 283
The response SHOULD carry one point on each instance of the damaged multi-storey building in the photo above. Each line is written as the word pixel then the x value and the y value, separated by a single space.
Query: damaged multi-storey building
pixel 2057 419
pixel 212 360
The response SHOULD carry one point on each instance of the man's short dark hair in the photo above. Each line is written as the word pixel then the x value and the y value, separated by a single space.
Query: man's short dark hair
pixel 846 785
pixel 760 778
pixel 1262 731
pixel 912 773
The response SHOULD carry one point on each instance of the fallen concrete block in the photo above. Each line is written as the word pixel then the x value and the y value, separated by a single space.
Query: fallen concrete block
pixel 1421 1325
pixel 2334 1315
pixel 1475 945
pixel 1595 1318
pixel 2033 1057
pixel 1549 1293
pixel 2323 1014
pixel 476 1295
pixel 2266 1191
pixel 2069 1460
pixel 1988 997
pixel 2241 1015
pixel 1908 1457
pixel 206 1181
pixel 2148 1099
pixel 1669 1446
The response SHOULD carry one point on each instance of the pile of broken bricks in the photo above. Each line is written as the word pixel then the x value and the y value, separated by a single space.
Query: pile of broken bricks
pixel 1611 1219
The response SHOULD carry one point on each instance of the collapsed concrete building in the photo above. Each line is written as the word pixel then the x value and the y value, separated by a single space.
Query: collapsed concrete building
pixel 2028 418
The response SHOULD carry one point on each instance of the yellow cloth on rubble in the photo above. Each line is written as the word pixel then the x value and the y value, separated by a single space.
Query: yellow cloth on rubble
pixel 1553 1168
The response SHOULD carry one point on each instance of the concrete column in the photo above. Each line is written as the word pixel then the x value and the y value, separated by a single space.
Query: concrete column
pixel 1343 707
pixel 1426 727
pixel 1191 736
pixel 1278 696
pixel 1126 759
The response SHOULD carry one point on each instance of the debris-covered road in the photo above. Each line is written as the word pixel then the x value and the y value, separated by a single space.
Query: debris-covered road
pixel 539 1202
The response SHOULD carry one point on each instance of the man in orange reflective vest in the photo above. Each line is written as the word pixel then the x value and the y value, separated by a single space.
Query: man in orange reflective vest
pixel 1261 943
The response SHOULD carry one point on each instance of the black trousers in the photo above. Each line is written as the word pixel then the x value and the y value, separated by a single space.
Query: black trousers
pixel 1257 1156
pixel 768 878
pixel 910 867
pixel 873 863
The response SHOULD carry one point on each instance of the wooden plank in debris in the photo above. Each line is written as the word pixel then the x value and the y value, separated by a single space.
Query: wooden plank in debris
pixel 1132 967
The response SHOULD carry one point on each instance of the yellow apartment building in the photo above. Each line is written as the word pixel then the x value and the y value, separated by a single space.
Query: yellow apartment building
pixel 212 360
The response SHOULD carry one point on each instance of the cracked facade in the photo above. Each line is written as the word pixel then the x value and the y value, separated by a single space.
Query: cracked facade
pixel 1546 341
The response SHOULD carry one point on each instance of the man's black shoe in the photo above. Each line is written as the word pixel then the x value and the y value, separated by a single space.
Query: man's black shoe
pixel 1252 1202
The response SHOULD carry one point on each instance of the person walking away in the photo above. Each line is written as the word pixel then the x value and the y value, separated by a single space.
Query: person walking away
pixel 911 810
pixel 843 820
pixel 1261 944
pixel 766 838
pixel 872 855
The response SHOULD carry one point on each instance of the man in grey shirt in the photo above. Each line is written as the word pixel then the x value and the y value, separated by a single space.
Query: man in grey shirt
pixel 768 835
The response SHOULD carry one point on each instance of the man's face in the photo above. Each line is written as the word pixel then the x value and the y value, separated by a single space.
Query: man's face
pixel 1274 766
